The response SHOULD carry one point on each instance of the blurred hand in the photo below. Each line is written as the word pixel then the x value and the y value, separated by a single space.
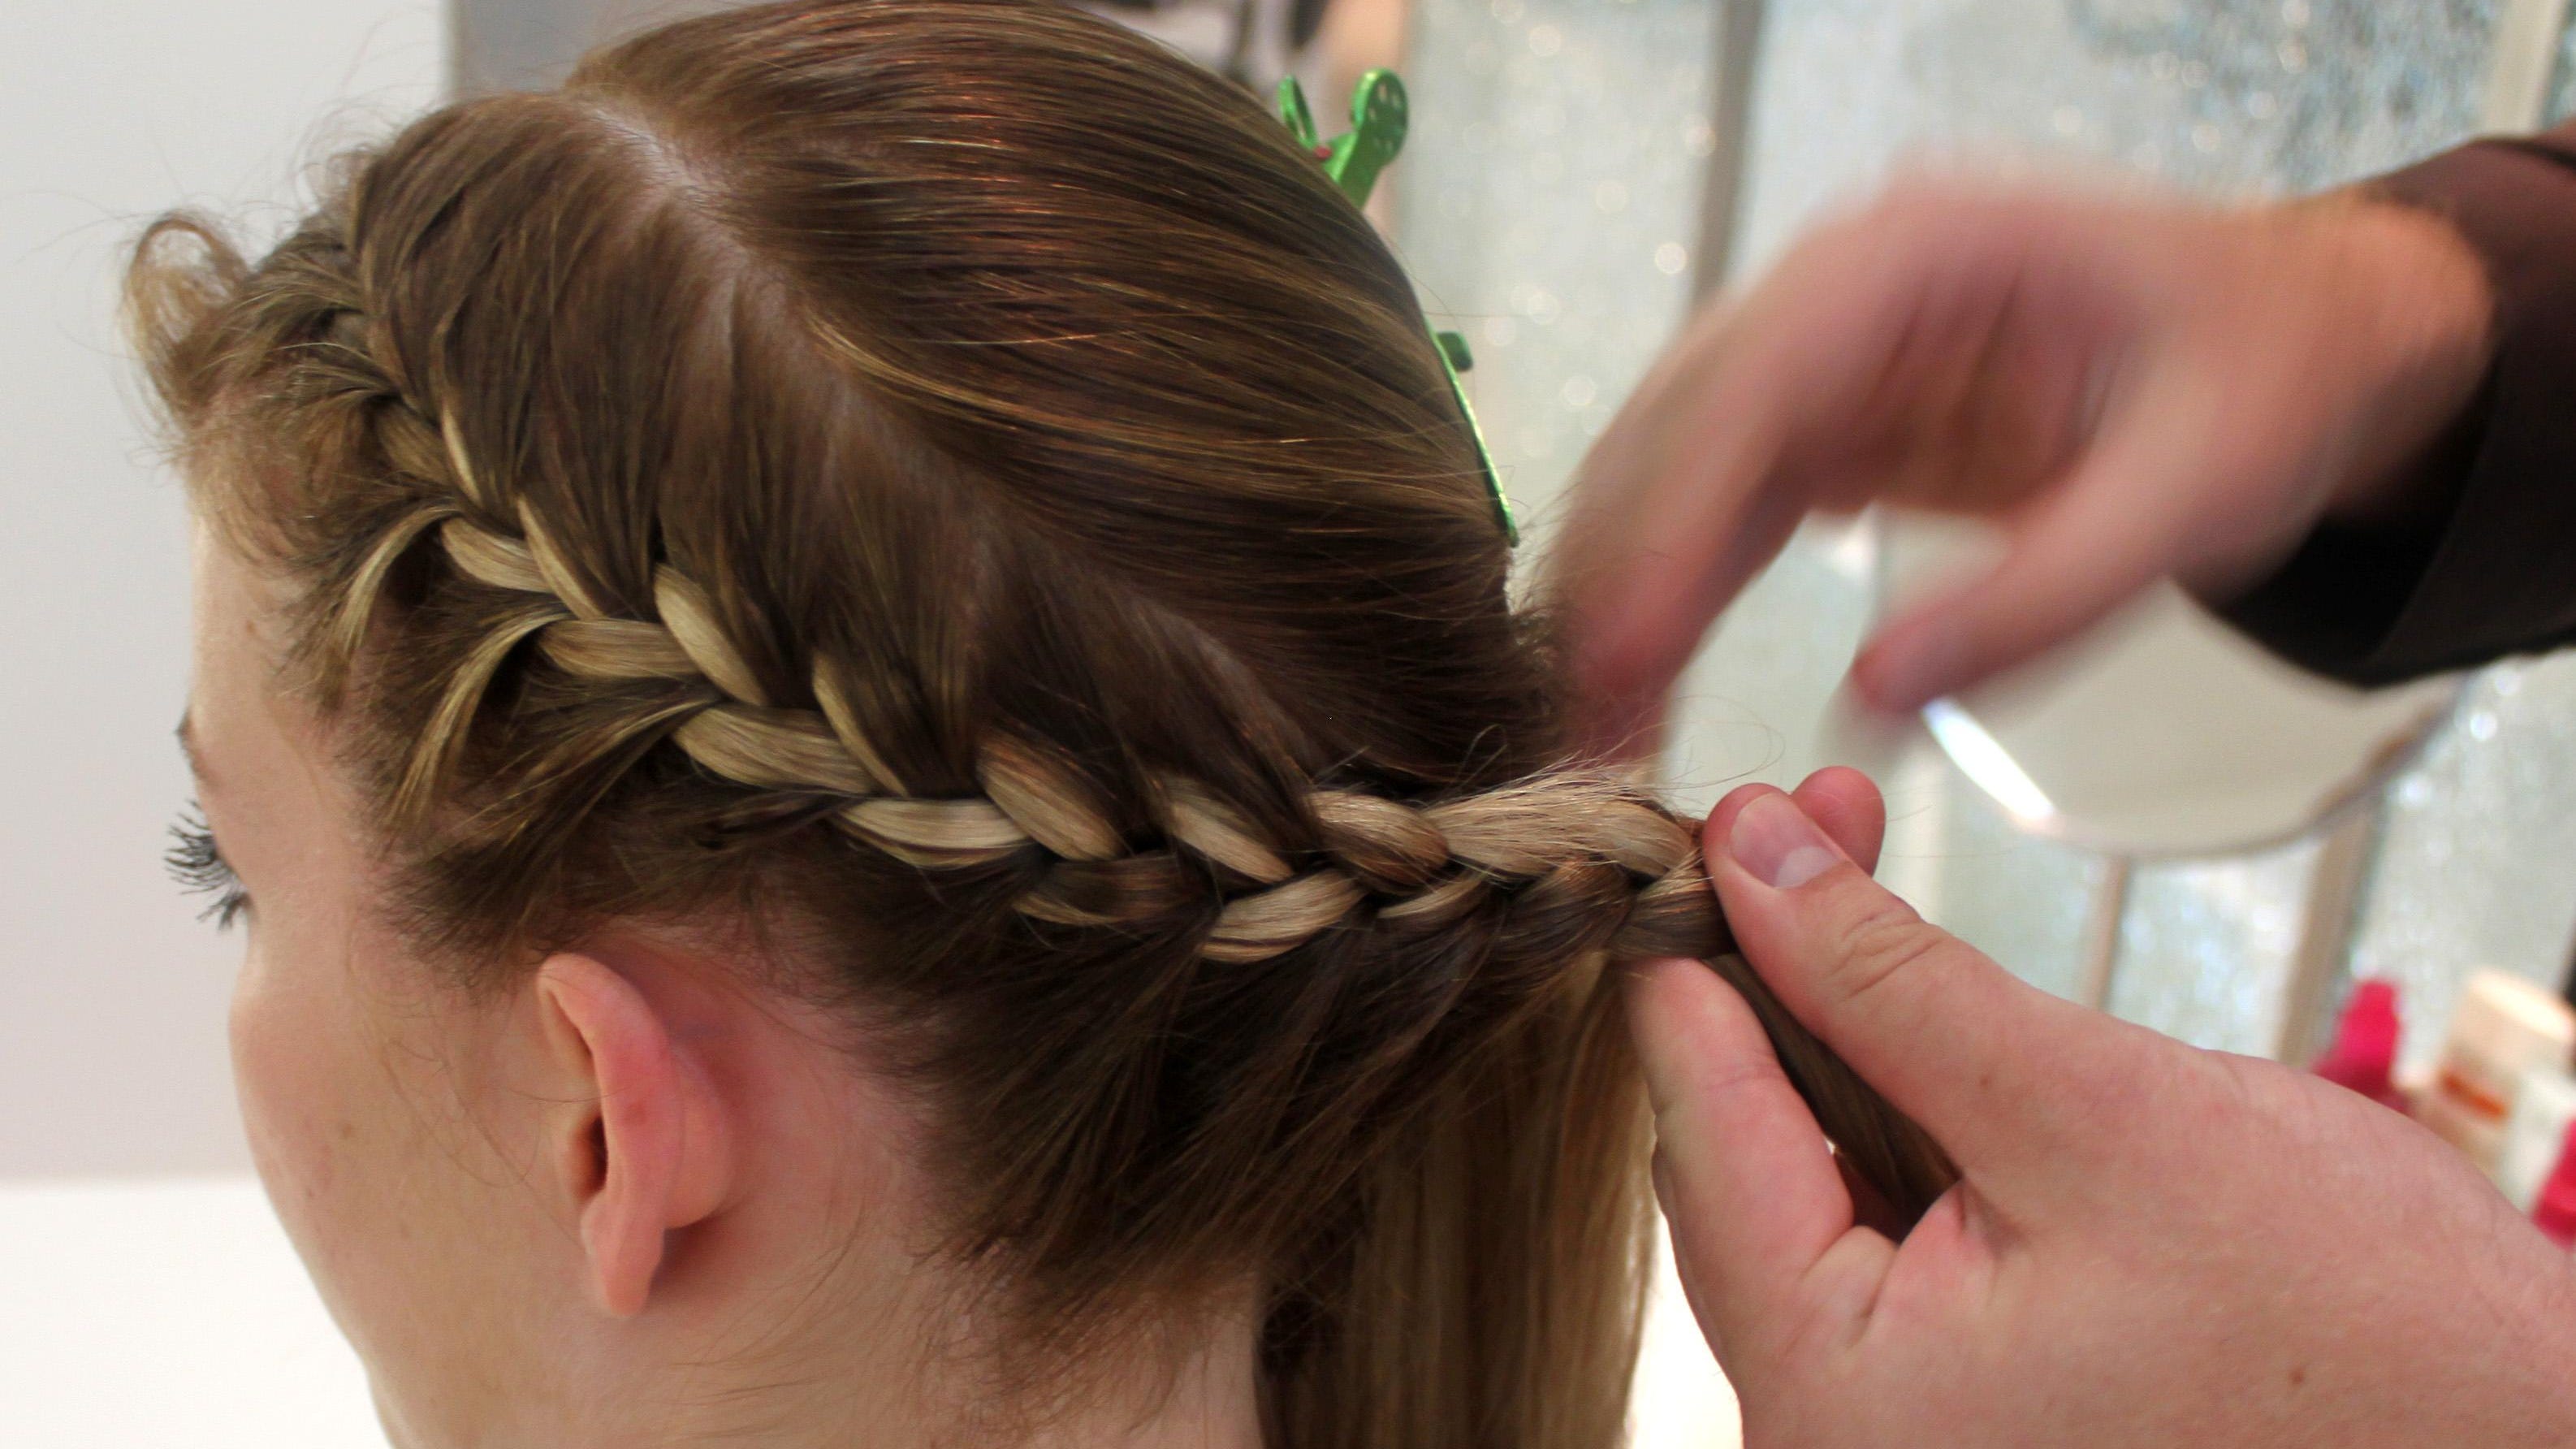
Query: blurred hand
pixel 2150 1244
pixel 2133 388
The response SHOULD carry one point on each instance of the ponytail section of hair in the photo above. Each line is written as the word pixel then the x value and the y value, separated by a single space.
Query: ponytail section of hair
pixel 956 480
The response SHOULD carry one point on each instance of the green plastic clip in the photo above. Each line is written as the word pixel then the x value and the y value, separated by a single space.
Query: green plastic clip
pixel 1379 116
pixel 1456 359
pixel 1354 158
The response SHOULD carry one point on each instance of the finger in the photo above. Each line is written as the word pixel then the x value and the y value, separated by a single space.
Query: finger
pixel 2125 516
pixel 2002 1074
pixel 1621 725
pixel 2078 560
pixel 1847 806
pixel 1751 1191
pixel 1644 676
pixel 1684 500
pixel 1650 560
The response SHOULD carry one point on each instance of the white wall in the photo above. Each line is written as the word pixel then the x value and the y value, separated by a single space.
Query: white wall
pixel 111 994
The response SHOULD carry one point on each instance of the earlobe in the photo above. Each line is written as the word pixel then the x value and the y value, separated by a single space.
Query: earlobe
pixel 647 1151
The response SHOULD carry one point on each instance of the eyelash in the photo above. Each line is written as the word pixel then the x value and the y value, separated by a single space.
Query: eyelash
pixel 198 866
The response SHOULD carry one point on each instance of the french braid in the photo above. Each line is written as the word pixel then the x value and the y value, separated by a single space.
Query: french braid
pixel 1424 864
pixel 1416 867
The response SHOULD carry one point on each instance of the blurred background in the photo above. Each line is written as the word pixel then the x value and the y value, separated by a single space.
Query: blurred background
pixel 2155 823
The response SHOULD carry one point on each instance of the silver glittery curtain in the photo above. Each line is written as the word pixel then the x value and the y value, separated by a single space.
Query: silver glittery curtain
pixel 1551 203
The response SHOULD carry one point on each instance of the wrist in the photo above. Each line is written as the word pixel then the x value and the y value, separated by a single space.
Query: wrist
pixel 2423 312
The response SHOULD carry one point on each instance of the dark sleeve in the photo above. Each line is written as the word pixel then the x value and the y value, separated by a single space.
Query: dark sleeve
pixel 2488 567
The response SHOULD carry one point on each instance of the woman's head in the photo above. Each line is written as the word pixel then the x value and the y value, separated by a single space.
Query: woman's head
pixel 923 538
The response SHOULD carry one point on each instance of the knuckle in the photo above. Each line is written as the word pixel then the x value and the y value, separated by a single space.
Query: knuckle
pixel 1726 1080
pixel 1868 245
pixel 1810 1330
pixel 1914 200
pixel 1920 203
pixel 2111 1105
pixel 1885 944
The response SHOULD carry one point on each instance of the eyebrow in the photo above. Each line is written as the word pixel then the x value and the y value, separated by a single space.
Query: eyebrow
pixel 187 733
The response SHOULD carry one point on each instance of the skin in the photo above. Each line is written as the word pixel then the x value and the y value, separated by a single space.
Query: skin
pixel 2151 1244
pixel 626 1199
pixel 2130 388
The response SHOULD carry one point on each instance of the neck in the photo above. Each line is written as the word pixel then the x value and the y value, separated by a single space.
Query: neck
pixel 816 1308
pixel 871 1347
pixel 922 1390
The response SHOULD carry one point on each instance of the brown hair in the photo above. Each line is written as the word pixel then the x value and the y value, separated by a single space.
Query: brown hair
pixel 954 478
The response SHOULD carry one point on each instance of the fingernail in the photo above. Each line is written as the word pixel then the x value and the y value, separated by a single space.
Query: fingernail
pixel 1776 841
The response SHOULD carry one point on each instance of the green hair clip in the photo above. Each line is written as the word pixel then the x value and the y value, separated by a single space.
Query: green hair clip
pixel 1353 160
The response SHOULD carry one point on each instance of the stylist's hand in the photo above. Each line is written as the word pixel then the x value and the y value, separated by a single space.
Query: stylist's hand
pixel 2151 1244
pixel 2133 387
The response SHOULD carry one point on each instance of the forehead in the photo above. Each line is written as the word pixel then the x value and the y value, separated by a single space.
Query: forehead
pixel 237 717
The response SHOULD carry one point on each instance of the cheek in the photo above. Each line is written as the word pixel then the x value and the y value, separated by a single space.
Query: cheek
pixel 343 1098
pixel 415 1224
pixel 293 1046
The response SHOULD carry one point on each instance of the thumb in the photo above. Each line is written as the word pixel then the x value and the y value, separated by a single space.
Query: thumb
pixel 2000 1073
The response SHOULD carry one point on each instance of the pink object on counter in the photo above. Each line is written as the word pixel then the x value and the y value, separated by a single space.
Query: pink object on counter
pixel 2554 1211
pixel 2364 1053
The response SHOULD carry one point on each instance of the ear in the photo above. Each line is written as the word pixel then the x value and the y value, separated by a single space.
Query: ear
pixel 645 1149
